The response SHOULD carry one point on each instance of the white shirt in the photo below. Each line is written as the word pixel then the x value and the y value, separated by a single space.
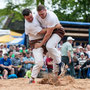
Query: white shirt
pixel 32 29
pixel 88 52
pixel 49 21
pixel 81 61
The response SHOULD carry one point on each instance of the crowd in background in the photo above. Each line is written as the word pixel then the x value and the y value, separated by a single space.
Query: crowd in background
pixel 17 61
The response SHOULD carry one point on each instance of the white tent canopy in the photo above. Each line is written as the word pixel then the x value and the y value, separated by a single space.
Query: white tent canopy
pixel 4 32
pixel 17 40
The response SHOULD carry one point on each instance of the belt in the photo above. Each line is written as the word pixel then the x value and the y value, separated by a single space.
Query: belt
pixel 36 40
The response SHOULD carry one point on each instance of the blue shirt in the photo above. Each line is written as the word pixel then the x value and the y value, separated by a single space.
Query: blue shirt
pixel 5 62
pixel 28 66
pixel 16 61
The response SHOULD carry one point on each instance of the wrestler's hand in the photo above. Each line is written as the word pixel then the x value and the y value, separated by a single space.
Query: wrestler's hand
pixel 38 45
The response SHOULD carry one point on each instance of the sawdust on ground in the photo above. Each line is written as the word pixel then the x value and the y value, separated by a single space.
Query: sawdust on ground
pixel 64 83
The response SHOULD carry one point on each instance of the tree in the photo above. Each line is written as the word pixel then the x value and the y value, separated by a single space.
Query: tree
pixel 67 10
pixel 72 10
pixel 40 1
pixel 15 9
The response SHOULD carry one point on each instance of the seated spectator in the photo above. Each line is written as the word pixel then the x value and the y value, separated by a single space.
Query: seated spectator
pixel 28 61
pixel 17 48
pixel 28 73
pixel 24 50
pixel 85 53
pixel 1 76
pixel 80 49
pixel 11 47
pixel 11 55
pixel 5 63
pixel 85 68
pixel 1 47
pixel 1 52
pixel 77 52
pixel 77 67
pixel 86 64
pixel 88 51
pixel 59 45
pixel 5 49
pixel 49 64
pixel 82 60
pixel 3 73
pixel 21 57
pixel 16 64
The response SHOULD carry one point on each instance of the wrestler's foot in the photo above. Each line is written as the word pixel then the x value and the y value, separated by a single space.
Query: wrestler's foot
pixel 31 81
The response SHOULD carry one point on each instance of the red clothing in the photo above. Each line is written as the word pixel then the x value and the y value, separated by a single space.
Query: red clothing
pixel 49 60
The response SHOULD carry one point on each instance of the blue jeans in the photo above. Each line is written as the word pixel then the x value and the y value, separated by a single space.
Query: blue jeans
pixel 78 73
pixel 65 60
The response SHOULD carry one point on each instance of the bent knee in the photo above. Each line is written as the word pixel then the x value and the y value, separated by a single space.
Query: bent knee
pixel 40 64
pixel 48 47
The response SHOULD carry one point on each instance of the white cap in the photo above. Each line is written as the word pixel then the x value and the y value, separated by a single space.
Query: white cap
pixel 81 53
pixel 17 53
pixel 80 47
pixel 70 38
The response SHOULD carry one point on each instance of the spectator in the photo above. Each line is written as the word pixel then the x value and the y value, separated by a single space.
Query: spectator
pixel 49 63
pixel 10 47
pixel 24 50
pixel 59 45
pixel 67 55
pixel 5 63
pixel 16 64
pixel 11 55
pixel 77 52
pixel 82 60
pixel 77 67
pixel 17 48
pixel 1 52
pixel 21 57
pixel 88 51
pixel 28 73
pixel 3 73
pixel 85 68
pixel 74 45
pixel 85 53
pixel 1 47
pixel 80 50
pixel 5 49
pixel 28 61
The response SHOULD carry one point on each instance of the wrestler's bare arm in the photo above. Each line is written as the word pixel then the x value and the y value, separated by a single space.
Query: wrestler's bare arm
pixel 45 39
pixel 47 35
pixel 58 26
pixel 43 31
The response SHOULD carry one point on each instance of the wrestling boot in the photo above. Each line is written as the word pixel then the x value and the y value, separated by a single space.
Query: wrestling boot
pixel 31 81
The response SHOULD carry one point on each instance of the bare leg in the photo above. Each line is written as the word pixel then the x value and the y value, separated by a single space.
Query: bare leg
pixel 12 71
pixel 5 73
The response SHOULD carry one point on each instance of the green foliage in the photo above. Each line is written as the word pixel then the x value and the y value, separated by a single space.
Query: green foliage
pixel 15 9
pixel 68 10
pixel 39 1
pixel 72 10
